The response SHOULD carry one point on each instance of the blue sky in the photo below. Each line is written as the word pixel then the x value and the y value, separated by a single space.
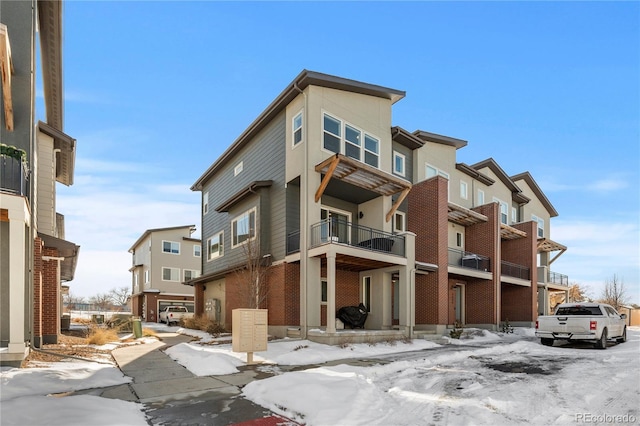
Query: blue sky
pixel 155 91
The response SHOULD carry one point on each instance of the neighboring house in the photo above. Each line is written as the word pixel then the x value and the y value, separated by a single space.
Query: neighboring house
pixel 35 258
pixel 162 259
pixel 348 208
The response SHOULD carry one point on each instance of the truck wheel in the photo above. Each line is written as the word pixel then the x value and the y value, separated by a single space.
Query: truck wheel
pixel 602 343
pixel 546 342
pixel 623 338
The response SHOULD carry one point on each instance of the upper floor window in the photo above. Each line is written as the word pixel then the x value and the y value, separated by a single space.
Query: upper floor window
pixel 399 163
pixel 205 203
pixel 433 171
pixel 215 246
pixel 238 168
pixel 243 227
pixel 463 190
pixel 171 247
pixel 196 250
pixel 170 274
pixel 540 222
pixel 504 211
pixel 297 129
pixel 514 215
pixel 399 222
pixel 480 197
pixel 146 276
pixel 190 274
pixel 344 138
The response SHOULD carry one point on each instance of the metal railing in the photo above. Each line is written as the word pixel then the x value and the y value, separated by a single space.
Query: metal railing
pixel 469 260
pixel 556 278
pixel 335 231
pixel 14 176
pixel 514 270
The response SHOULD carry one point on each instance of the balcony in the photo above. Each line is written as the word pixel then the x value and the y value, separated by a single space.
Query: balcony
pixel 556 278
pixel 14 176
pixel 465 259
pixel 332 231
pixel 514 270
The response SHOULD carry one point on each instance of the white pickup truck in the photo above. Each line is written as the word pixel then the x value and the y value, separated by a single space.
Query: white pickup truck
pixel 173 314
pixel 595 322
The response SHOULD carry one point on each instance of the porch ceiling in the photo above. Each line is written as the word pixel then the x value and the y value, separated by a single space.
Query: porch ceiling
pixel 463 216
pixel 355 264
pixel 363 176
pixel 510 233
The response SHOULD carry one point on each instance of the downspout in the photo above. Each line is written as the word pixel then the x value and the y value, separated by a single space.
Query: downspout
pixel 29 296
pixel 304 215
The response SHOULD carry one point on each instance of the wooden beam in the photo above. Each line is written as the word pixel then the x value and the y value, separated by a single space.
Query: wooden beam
pixel 6 69
pixel 327 178
pixel 399 201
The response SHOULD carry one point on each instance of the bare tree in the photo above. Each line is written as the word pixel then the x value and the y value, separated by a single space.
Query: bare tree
pixel 614 292
pixel 120 296
pixel 71 300
pixel 252 288
pixel 101 300
pixel 578 293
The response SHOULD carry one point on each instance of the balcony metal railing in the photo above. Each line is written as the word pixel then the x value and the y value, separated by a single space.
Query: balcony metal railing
pixel 337 231
pixel 556 278
pixel 14 176
pixel 514 270
pixel 469 260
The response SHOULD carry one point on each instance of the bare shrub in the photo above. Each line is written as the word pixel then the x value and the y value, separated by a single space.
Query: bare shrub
pixel 101 336
pixel 203 323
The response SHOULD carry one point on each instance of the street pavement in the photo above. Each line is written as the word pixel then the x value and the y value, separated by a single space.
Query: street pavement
pixel 172 395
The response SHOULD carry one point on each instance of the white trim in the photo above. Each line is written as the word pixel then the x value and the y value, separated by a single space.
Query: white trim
pixel 480 195
pixel 401 156
pixel 220 251
pixel 172 270
pixel 251 232
pixel 195 274
pixel 343 141
pixel 294 128
pixel 171 248
pixel 464 190
pixel 205 203
pixel 404 221
pixel 238 168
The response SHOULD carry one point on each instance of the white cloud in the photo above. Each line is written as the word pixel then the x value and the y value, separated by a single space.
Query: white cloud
pixel 609 184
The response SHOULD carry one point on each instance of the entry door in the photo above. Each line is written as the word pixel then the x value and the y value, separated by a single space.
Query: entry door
pixel 336 227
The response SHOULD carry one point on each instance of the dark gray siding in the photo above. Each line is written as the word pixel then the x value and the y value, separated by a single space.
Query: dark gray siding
pixel 262 159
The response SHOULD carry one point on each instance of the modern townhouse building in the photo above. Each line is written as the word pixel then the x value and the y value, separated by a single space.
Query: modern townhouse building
pixel 35 258
pixel 347 208
pixel 162 259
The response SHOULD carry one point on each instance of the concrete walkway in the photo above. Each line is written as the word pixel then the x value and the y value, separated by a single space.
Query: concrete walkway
pixel 173 395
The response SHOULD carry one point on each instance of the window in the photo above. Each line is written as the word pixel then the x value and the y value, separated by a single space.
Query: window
pixel 238 169
pixel 171 247
pixel 196 250
pixel 215 246
pixel 514 215
pixel 398 222
pixel 170 274
pixel 190 274
pixel 463 190
pixel 366 293
pixel 205 203
pixel 504 211
pixel 398 163
pixel 323 290
pixel 458 239
pixel 243 228
pixel 480 197
pixel 146 276
pixel 340 137
pixel 136 287
pixel 433 171
pixel 297 129
pixel 540 222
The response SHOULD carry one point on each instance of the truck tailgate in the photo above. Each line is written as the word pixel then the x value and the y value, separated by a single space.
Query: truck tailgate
pixel 567 325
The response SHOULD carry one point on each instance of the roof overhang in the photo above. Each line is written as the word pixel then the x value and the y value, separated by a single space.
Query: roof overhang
pixel 546 245
pixel 510 233
pixel 295 88
pixel 66 157
pixel 444 140
pixel 50 29
pixel 6 71
pixel 363 176
pixel 66 250
pixel 470 171
pixel 192 229
pixel 405 138
pixel 242 194
pixel 463 216
pixel 526 177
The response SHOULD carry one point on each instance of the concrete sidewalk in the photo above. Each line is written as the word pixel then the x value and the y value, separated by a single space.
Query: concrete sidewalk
pixel 173 395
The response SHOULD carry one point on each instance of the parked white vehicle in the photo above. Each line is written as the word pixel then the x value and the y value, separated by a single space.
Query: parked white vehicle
pixel 173 314
pixel 595 322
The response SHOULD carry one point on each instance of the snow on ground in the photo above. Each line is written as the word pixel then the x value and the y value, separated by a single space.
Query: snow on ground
pixel 484 378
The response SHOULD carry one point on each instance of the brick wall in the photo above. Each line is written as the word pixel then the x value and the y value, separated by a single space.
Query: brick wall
pixel 50 297
pixel 520 303
pixel 427 218
pixel 37 291
pixel 347 291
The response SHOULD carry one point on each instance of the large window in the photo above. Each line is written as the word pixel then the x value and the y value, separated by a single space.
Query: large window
pixel 243 228
pixel 297 129
pixel 170 274
pixel 171 247
pixel 340 137
pixel 215 246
